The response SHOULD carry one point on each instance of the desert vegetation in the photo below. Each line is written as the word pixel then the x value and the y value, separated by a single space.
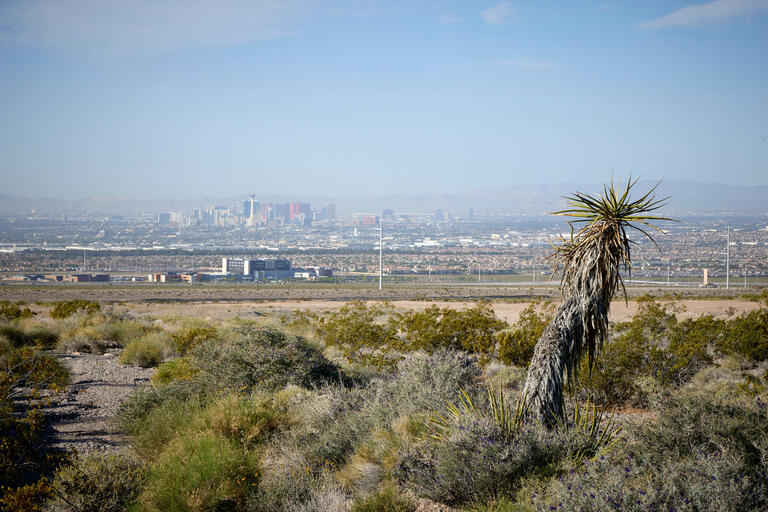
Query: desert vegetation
pixel 366 408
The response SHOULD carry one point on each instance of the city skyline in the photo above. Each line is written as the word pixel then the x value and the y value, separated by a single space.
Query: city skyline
pixel 185 99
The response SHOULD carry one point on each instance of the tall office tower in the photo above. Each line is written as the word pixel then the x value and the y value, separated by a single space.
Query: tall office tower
pixel 282 211
pixel 247 208
pixel 330 211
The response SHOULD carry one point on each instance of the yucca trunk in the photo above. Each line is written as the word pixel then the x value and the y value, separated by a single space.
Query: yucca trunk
pixel 578 327
pixel 543 389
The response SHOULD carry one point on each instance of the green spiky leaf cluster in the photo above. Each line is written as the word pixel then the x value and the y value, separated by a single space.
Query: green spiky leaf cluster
pixel 593 257
pixel 606 219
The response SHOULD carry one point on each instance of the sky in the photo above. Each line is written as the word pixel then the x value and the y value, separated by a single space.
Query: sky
pixel 193 98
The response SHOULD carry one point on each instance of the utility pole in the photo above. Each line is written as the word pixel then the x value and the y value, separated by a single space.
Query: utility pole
pixel 745 276
pixel 381 261
pixel 728 260
pixel 669 264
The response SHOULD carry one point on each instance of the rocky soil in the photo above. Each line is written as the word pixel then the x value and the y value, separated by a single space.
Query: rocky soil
pixel 81 416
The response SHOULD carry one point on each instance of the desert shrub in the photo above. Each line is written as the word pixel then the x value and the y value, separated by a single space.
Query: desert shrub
pixel 151 432
pixel 516 345
pixel 249 420
pixel 37 335
pixel 267 358
pixel 477 459
pixel 14 334
pixel 651 345
pixel 384 499
pixel 175 369
pixel 67 308
pixel 200 472
pixel 105 482
pixel 699 482
pixel 121 331
pixel 26 458
pixel 10 311
pixel 42 336
pixel 693 423
pixel 486 450
pixel 701 453
pixel 190 337
pixel 423 380
pixel 134 410
pixel 364 334
pixel 146 352
pixel 472 330
pixel 28 367
pixel 747 335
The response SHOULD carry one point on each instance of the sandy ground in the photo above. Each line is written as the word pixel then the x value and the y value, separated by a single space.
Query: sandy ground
pixel 81 415
pixel 509 311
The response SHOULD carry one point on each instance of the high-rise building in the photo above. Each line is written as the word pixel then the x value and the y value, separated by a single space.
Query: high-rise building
pixel 282 211
pixel 330 210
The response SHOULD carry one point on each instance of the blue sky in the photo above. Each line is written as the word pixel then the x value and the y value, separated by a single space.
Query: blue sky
pixel 172 98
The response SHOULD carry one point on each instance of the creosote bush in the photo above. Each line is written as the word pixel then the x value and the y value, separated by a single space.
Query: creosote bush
pixel 99 483
pixel 516 345
pixel 10 311
pixel 67 308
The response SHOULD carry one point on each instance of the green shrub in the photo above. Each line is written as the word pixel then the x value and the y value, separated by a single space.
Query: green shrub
pixel 36 335
pixel 175 369
pixel 152 431
pixel 472 330
pixel 653 344
pixel 364 334
pixel 10 311
pixel 28 367
pixel 67 308
pixel 26 457
pixel 265 358
pixel 108 483
pixel 145 352
pixel 200 472
pixel 191 337
pixel 747 335
pixel 516 345
pixel 385 499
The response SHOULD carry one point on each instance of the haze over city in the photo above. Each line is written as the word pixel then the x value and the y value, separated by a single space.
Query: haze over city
pixel 348 99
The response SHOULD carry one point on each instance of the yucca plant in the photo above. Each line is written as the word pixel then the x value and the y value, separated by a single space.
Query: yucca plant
pixel 599 433
pixel 591 261
pixel 507 416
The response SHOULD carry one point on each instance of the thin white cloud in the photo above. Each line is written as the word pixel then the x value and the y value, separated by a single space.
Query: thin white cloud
pixel 500 14
pixel 448 18
pixel 532 64
pixel 703 14
pixel 106 27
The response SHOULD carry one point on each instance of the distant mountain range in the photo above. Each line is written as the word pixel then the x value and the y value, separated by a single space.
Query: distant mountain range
pixel 686 196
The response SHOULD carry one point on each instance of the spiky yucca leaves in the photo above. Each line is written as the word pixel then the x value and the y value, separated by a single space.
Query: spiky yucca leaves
pixel 509 418
pixel 591 262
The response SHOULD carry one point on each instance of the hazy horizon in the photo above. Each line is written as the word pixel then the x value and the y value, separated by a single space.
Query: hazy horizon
pixel 355 99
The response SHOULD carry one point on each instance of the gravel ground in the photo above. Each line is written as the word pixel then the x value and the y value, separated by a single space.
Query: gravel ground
pixel 80 416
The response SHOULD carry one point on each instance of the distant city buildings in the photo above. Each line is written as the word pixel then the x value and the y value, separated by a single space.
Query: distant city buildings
pixel 251 213
pixel 269 268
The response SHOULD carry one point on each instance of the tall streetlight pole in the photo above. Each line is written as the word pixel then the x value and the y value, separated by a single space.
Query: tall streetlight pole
pixel 728 260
